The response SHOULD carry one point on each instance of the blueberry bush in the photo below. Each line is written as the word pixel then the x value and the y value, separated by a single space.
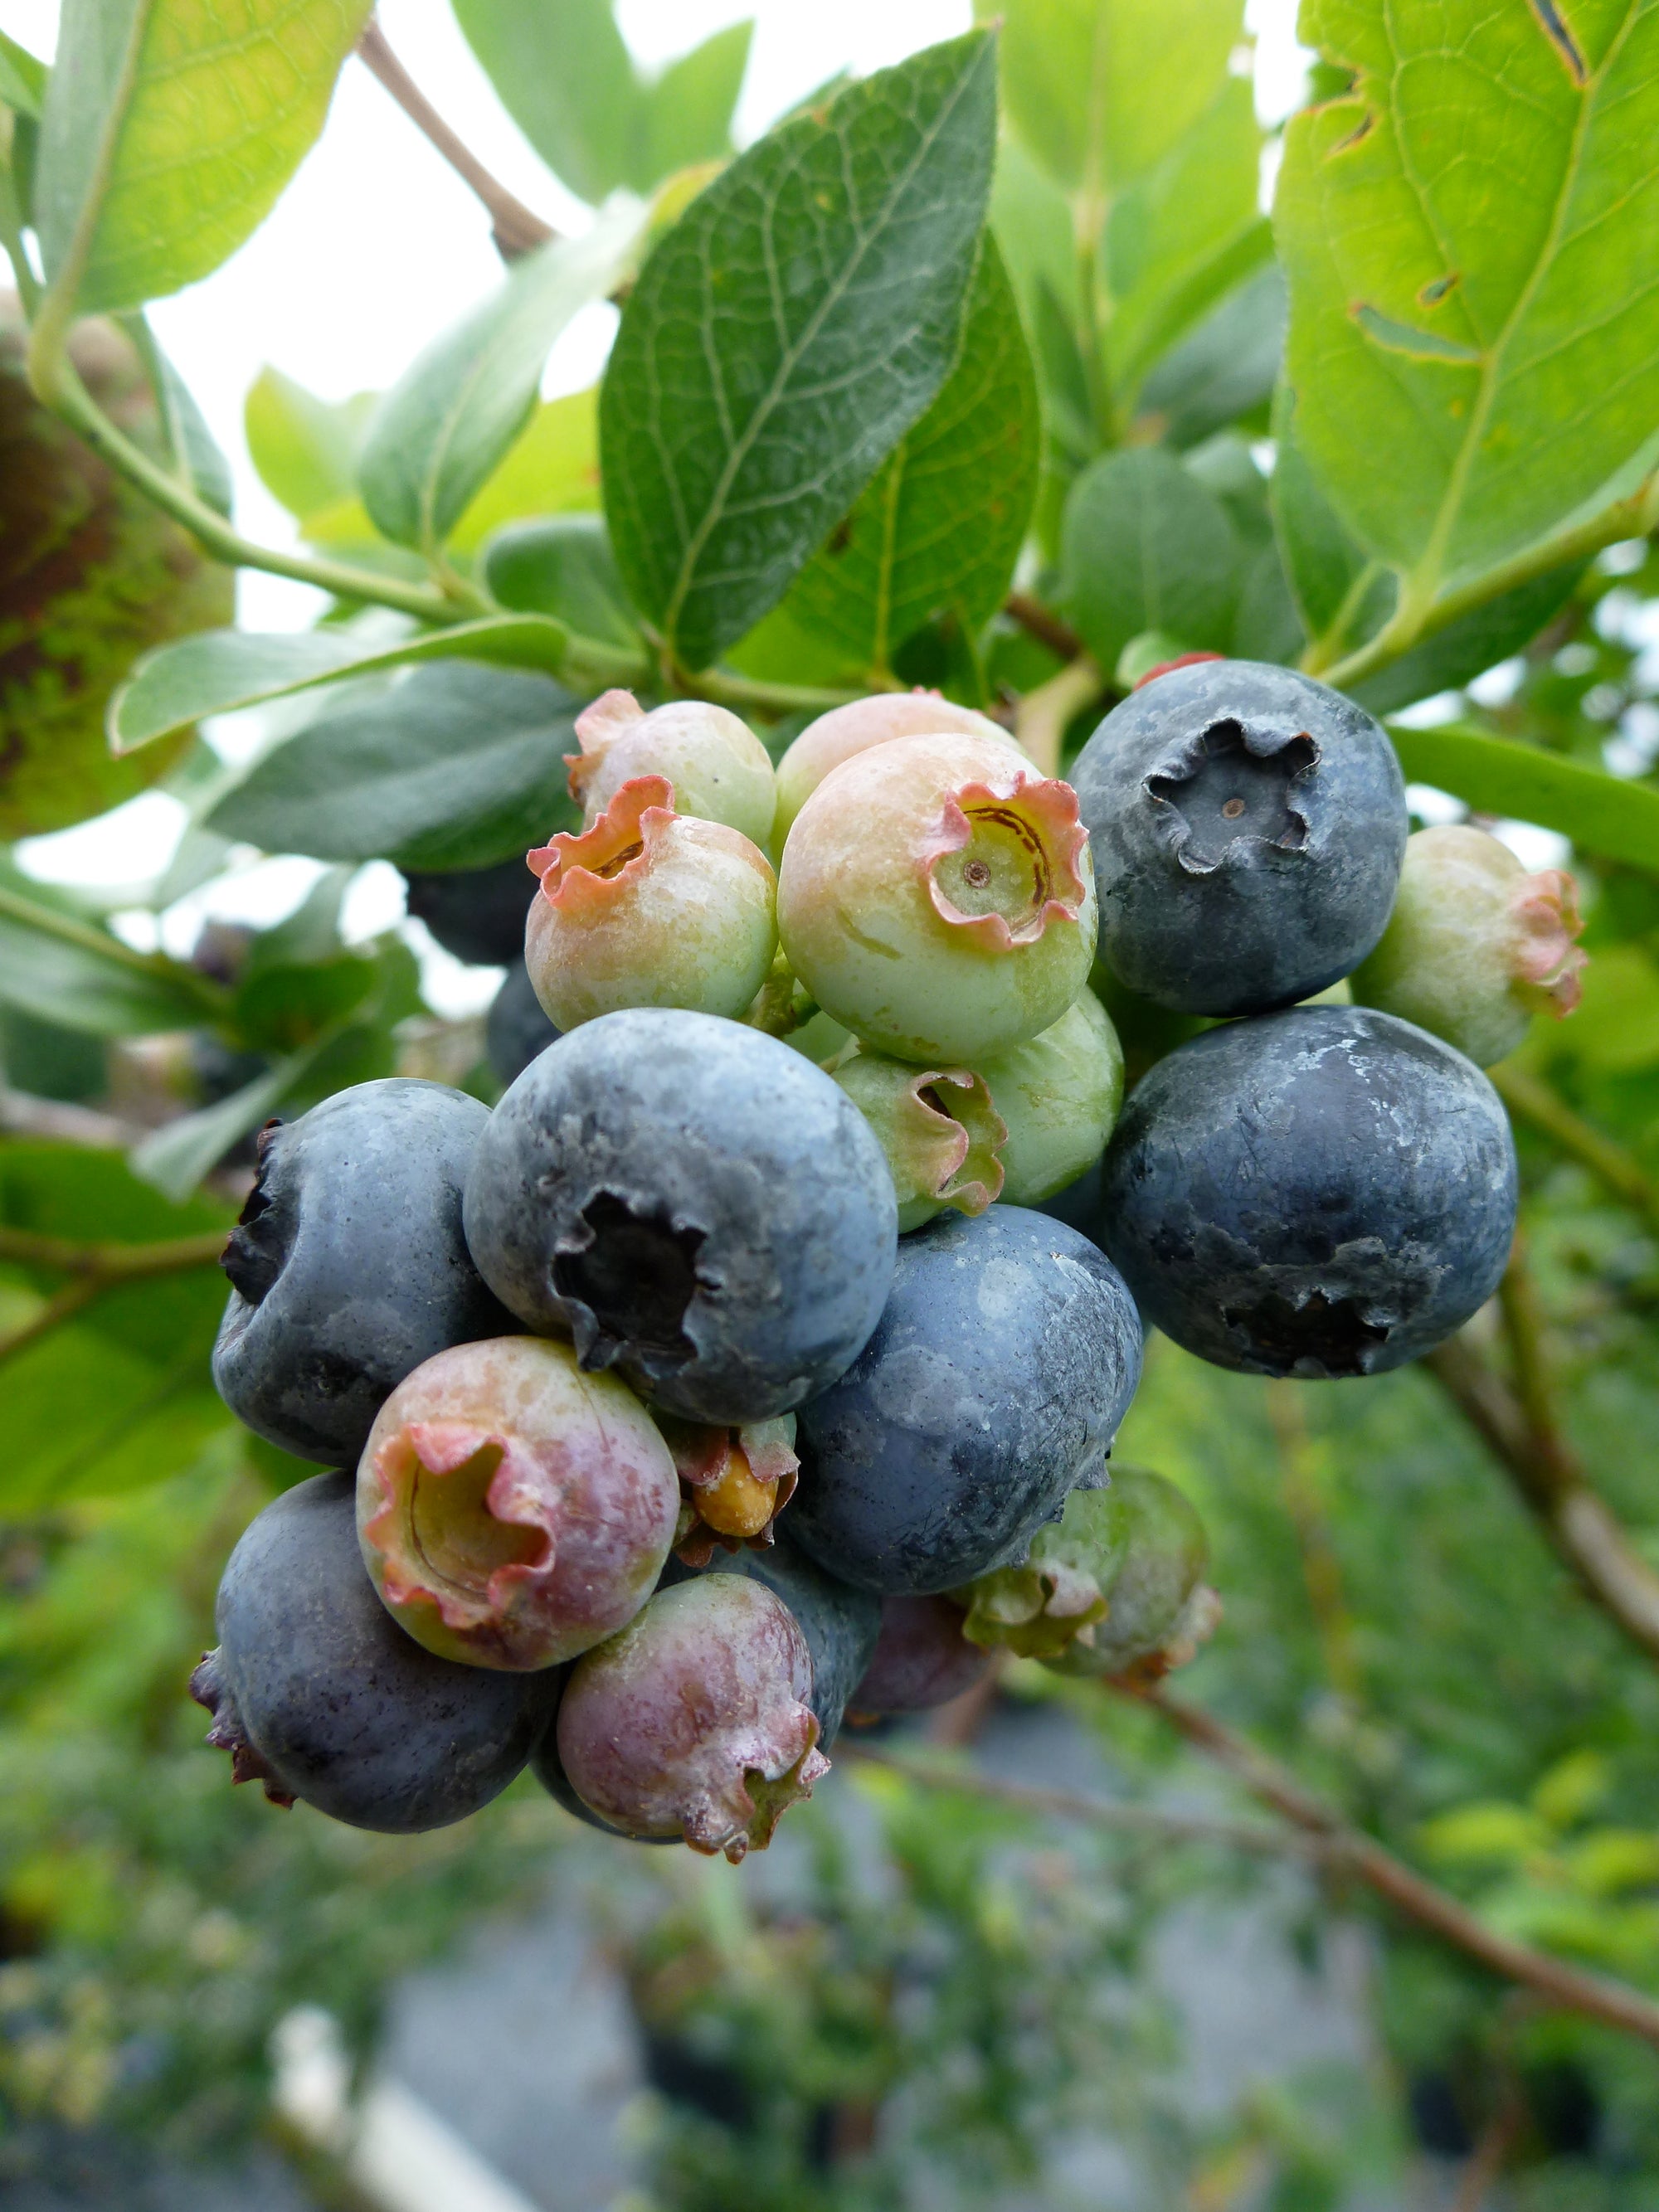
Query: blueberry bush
pixel 1075 741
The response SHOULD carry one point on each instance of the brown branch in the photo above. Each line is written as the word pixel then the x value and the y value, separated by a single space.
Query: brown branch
pixel 1491 2154
pixel 1519 1424
pixel 1623 1175
pixel 517 230
pixel 1045 627
pixel 1564 1987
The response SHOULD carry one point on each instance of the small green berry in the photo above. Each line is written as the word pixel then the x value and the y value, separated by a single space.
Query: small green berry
pixel 1058 1095
pixel 938 1128
pixel 862 723
pixel 719 768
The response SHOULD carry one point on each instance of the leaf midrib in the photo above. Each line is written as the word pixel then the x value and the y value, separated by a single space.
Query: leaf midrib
pixel 740 448
pixel 1425 578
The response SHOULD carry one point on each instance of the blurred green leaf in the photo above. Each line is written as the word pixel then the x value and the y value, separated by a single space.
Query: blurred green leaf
pixel 227 669
pixel 553 469
pixel 23 78
pixel 1602 814
pixel 1226 370
pixel 442 428
pixel 453 768
pixel 940 528
pixel 67 971
pixel 1329 571
pixel 168 131
pixel 1487 322
pixel 305 448
pixel 565 78
pixel 1184 235
pixel 1099 90
pixel 1477 640
pixel 563 566
pixel 783 336
pixel 1146 547
pixel 685 118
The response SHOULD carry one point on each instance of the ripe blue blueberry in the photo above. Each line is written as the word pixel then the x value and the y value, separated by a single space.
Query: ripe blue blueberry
pixel 348 1266
pixel 1248 826
pixel 693 1204
pixel 1323 1192
pixel 1004 1359
pixel 316 1690
pixel 477 914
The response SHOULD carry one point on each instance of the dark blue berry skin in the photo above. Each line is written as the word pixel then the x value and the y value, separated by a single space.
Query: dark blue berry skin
pixel 477 914
pixel 1248 826
pixel 692 1203
pixel 348 1266
pixel 317 1692
pixel 515 1028
pixel 841 1623
pixel 1006 1358
pixel 1325 1192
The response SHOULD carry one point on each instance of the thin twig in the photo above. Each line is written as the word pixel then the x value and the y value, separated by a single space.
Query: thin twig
pixel 1520 1426
pixel 517 229
pixel 1491 2154
pixel 1037 622
pixel 23 1114
pixel 1092 1812
pixel 1043 714
pixel 1621 1172
pixel 1564 1987
pixel 92 1270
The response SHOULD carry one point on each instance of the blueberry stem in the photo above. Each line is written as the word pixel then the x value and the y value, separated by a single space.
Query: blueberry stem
pixel 1043 714
pixel 1517 1419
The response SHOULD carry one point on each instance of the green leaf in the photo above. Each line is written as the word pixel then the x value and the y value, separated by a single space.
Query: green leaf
pixel 1100 90
pixel 176 1155
pixel 23 78
pixel 1186 234
pixel 305 448
pixel 168 129
pixel 441 430
pixel 68 972
pixel 456 767
pixel 554 468
pixel 563 566
pixel 1144 546
pixel 685 117
pixel 1479 639
pixel 1225 371
pixel 564 75
pixel 1329 575
pixel 784 334
pixel 227 669
pixel 940 528
pixel 1469 235
pixel 1602 814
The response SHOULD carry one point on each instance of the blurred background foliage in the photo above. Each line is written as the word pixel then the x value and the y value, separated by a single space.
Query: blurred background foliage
pixel 942 1990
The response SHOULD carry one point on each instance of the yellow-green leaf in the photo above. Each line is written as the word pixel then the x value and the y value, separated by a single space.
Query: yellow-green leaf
pixel 169 128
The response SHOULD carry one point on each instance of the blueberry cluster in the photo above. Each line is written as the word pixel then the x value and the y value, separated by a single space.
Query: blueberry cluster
pixel 728 1376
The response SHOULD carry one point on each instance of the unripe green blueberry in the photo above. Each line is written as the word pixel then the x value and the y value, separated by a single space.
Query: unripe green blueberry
pixel 734 1482
pixel 1058 1095
pixel 844 730
pixel 697 1721
pixel 649 908
pixel 938 1128
pixel 720 769
pixel 1475 946
pixel 1143 1545
pixel 513 1511
pixel 937 897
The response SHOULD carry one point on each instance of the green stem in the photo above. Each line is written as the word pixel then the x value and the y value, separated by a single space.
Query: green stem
pixel 59 387
pixel 11 226
pixel 172 1255
pixel 1328 645
pixel 726 689
pixel 1413 621
pixel 48 922
pixel 1622 1173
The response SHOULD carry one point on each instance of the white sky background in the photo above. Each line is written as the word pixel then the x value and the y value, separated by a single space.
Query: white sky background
pixel 376 246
